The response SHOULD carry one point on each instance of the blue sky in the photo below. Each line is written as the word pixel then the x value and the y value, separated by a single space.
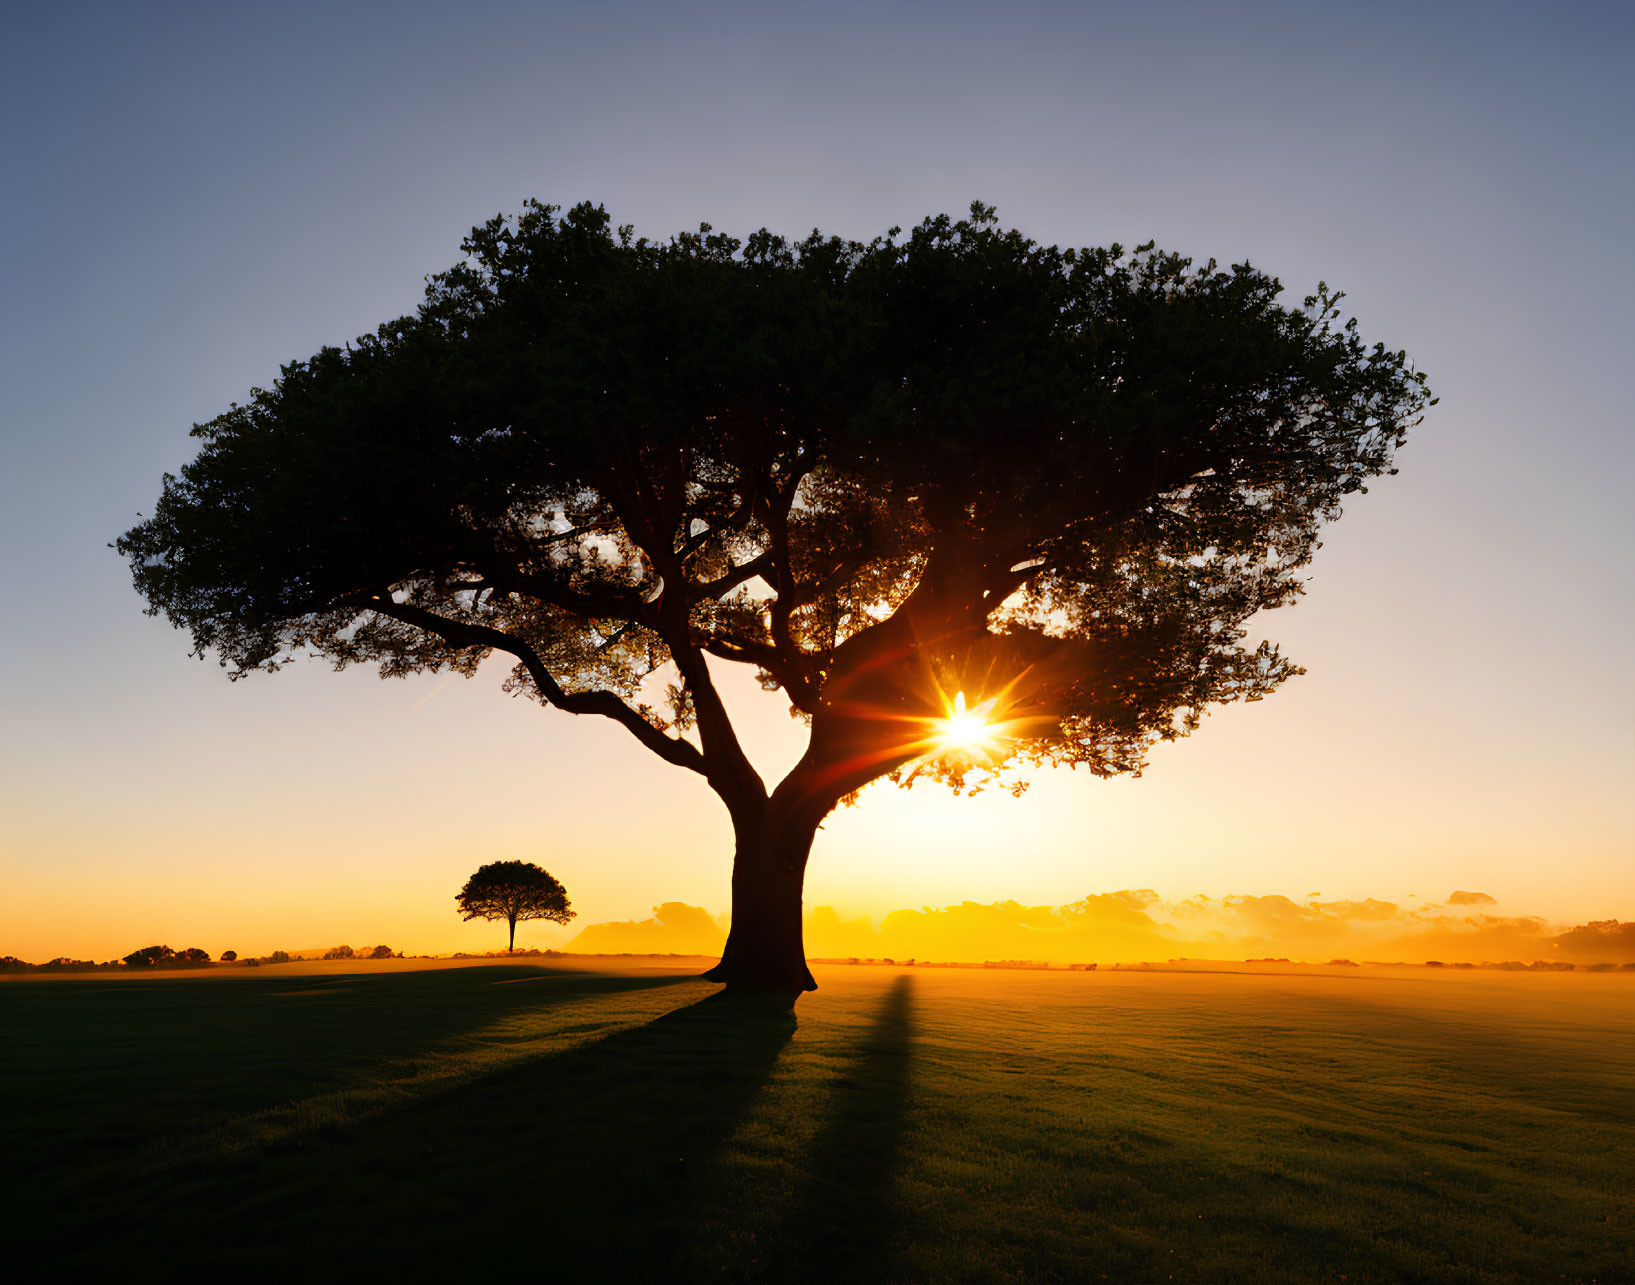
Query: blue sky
pixel 194 194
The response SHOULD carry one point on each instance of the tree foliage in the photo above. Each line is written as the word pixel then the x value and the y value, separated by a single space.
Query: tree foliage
pixel 513 891
pixel 591 452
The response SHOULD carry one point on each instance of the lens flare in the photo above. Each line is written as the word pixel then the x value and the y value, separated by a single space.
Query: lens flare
pixel 964 729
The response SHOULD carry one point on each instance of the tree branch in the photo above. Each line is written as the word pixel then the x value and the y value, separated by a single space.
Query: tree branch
pixel 598 606
pixel 649 519
pixel 724 584
pixel 837 578
pixel 784 588
pixel 458 634
pixel 792 677
pixel 497 565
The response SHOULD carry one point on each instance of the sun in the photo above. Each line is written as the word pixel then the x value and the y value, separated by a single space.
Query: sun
pixel 966 737
pixel 963 729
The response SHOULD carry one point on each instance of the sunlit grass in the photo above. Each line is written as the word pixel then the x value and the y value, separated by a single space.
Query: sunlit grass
pixel 905 1125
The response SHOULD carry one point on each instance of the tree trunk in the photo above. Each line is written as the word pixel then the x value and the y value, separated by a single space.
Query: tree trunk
pixel 851 745
pixel 765 950
pixel 510 946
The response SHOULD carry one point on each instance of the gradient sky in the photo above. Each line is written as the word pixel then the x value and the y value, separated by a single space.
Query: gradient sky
pixel 195 194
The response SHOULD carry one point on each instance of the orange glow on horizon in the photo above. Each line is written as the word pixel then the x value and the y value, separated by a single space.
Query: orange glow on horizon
pixel 336 838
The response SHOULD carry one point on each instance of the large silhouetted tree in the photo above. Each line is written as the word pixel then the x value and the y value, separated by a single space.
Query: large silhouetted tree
pixel 955 468
pixel 513 891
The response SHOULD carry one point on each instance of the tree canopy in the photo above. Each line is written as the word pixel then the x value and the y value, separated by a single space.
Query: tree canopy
pixel 947 467
pixel 513 891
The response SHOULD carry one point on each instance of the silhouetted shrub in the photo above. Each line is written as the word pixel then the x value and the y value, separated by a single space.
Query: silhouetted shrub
pixel 380 952
pixel 278 957
pixel 228 956
pixel 1549 966
pixel 150 957
pixel 339 952
pixel 193 957
pixel 1342 963
pixel 11 964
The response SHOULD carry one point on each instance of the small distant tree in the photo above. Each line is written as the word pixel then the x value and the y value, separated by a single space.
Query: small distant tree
pixel 193 956
pixel 513 890
pixel 380 952
pixel 229 956
pixel 339 952
pixel 151 957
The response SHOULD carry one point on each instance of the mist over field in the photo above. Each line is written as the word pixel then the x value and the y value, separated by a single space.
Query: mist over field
pixel 1138 924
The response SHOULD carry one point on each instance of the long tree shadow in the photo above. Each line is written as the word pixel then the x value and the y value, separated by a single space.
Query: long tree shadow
pixel 577 1165
pixel 856 1157
pixel 845 1222
pixel 145 1059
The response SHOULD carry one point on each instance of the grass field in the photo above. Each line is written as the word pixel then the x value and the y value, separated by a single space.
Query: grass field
pixel 521 1122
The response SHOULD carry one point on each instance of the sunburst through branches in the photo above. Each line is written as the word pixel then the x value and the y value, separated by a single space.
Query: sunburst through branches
pixel 979 735
pixel 964 728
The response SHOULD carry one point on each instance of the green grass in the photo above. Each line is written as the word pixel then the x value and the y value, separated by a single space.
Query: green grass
pixel 910 1125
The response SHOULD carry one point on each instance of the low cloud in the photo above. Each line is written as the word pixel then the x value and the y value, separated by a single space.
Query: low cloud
pixel 1114 924
pixel 1137 924
pixel 675 929
pixel 1597 941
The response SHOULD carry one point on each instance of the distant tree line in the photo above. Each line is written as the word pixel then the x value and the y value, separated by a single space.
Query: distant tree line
pixel 164 957
pixel 62 964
